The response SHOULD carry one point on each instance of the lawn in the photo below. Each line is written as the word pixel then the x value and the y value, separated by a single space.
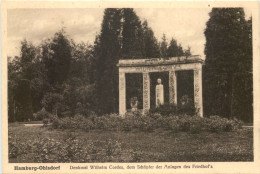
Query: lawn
pixel 132 146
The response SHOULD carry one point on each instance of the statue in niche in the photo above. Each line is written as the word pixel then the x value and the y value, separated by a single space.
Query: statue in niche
pixel 134 104
pixel 159 93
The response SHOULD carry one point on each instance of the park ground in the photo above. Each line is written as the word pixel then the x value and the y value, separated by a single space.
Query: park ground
pixel 156 146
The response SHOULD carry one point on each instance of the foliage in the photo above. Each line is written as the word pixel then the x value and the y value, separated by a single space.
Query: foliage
pixel 106 122
pixel 228 61
pixel 217 124
pixel 132 35
pixel 55 75
pixel 68 149
pixel 169 109
pixel 57 57
pixel 42 114
pixel 69 78
pixel 174 50
pixel 54 146
pixel 23 100
pixel 151 46
pixel 148 123
pixel 77 122
pixel 107 51
pixel 20 75
pixel 163 47
pixel 123 36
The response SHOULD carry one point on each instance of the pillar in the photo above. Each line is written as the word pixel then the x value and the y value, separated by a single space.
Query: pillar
pixel 122 94
pixel 146 92
pixel 172 87
pixel 198 91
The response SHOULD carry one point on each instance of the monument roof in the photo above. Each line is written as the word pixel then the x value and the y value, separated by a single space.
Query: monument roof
pixel 160 61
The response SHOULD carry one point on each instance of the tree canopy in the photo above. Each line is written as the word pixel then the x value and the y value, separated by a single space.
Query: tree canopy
pixel 228 66
pixel 66 78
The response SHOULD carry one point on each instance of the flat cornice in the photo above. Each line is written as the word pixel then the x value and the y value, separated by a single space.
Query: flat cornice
pixel 159 61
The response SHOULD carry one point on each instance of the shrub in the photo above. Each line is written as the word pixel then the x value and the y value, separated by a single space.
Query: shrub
pixel 170 109
pixel 112 150
pixel 174 126
pixel 82 123
pixel 67 149
pixel 217 124
pixel 87 125
pixel 186 106
pixel 56 123
pixel 45 122
pixel 42 114
pixel 127 124
pixel 195 124
pixel 77 122
pixel 15 147
pixel 165 110
pixel 102 123
pixel 184 123
pixel 148 123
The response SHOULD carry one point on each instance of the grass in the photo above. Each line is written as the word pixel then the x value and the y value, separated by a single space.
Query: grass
pixel 157 146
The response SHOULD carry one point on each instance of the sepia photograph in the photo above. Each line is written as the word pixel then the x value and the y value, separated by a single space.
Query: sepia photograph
pixel 129 85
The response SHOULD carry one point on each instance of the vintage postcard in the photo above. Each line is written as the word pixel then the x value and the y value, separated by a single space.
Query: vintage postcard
pixel 130 87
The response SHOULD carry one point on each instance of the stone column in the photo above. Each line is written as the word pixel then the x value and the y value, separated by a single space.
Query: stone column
pixel 122 94
pixel 198 91
pixel 146 92
pixel 172 87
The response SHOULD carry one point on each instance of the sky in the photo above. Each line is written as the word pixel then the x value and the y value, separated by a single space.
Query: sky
pixel 185 25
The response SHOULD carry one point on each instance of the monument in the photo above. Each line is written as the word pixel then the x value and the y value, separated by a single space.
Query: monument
pixel 170 65
pixel 159 94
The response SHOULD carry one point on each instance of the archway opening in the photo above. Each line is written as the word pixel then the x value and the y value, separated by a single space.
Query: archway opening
pixel 134 89
pixel 185 86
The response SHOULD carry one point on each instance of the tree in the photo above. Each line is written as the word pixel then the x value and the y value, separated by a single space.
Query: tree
pixel 28 55
pixel 108 51
pixel 57 57
pixel 225 50
pixel 23 83
pixel 82 62
pixel 163 47
pixel 187 52
pixel 22 92
pixel 132 35
pixel 151 47
pixel 180 50
pixel 173 49
pixel 242 101
pixel 14 74
pixel 53 103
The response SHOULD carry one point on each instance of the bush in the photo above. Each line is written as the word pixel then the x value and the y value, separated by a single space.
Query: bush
pixel 15 146
pixel 107 122
pixel 41 115
pixel 170 109
pixel 67 149
pixel 148 123
pixel 164 110
pixel 140 122
pixel 195 124
pixel 127 124
pixel 77 122
pixel 218 124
